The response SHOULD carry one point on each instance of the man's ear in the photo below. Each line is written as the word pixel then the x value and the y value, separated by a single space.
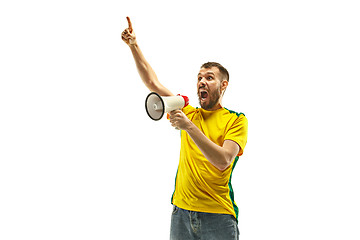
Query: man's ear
pixel 224 85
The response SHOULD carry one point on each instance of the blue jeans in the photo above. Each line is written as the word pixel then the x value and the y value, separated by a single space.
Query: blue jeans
pixel 189 225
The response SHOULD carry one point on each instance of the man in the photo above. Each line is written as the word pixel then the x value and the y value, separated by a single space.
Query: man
pixel 212 139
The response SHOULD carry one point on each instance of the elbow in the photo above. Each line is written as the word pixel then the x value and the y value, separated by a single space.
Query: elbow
pixel 227 157
pixel 221 168
pixel 223 165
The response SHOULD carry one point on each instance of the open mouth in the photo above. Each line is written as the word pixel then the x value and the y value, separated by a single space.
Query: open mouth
pixel 203 94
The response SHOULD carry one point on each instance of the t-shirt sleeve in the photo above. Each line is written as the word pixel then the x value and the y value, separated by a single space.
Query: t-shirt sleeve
pixel 238 132
pixel 188 110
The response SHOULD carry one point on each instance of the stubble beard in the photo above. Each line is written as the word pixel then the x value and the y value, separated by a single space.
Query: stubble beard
pixel 213 100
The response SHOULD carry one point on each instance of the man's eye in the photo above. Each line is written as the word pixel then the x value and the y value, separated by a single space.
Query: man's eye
pixel 209 78
pixel 199 79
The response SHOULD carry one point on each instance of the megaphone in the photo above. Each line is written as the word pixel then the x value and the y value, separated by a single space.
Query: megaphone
pixel 157 105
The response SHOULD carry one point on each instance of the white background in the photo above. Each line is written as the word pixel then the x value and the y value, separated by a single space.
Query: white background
pixel 80 159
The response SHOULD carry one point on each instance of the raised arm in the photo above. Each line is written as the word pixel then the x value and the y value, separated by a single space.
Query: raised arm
pixel 146 72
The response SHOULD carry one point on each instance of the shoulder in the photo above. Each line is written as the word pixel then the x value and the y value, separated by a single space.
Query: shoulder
pixel 236 118
pixel 188 109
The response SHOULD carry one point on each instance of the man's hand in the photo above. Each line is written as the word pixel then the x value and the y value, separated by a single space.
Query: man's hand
pixel 128 35
pixel 179 120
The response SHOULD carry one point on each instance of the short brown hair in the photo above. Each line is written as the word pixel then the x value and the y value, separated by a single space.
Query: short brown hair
pixel 223 71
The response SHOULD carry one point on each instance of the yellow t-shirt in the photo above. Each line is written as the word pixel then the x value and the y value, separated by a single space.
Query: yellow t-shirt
pixel 200 186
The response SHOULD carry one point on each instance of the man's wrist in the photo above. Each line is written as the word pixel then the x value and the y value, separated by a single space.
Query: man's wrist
pixel 133 45
pixel 189 126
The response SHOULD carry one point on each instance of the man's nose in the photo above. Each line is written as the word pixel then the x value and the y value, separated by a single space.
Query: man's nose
pixel 202 82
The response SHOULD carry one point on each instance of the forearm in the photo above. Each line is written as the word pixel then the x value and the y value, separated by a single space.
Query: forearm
pixel 215 154
pixel 147 74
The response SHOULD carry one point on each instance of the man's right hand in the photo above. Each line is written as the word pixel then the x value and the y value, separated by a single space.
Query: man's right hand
pixel 128 35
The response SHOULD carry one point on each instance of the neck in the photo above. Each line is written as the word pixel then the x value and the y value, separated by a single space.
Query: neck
pixel 216 107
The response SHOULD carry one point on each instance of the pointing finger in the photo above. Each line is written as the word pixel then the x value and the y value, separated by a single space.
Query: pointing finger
pixel 130 25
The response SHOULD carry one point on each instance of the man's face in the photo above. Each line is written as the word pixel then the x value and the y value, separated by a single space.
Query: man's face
pixel 208 87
